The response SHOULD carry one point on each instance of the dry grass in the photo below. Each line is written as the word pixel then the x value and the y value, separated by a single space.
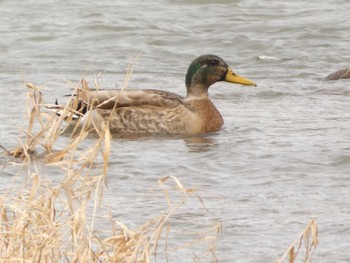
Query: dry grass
pixel 54 222
pixel 309 237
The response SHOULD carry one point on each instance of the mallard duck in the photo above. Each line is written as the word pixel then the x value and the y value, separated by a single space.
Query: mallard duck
pixel 161 112
pixel 340 74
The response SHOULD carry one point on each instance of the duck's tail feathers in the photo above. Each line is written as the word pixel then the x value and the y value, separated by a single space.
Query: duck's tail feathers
pixel 74 113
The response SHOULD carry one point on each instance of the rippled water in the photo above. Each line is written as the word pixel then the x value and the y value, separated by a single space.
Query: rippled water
pixel 283 156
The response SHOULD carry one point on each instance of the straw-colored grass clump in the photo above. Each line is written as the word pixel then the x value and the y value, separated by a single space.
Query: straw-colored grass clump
pixel 54 221
pixel 51 222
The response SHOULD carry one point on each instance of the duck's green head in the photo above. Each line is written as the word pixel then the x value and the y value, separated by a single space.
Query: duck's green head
pixel 208 69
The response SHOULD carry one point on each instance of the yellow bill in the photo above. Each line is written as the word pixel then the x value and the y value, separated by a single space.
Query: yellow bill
pixel 234 78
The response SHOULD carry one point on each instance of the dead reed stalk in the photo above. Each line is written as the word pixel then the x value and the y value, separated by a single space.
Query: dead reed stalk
pixel 309 237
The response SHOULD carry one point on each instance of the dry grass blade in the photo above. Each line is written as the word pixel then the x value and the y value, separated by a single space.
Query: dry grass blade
pixel 129 71
pixel 310 239
pixel 107 148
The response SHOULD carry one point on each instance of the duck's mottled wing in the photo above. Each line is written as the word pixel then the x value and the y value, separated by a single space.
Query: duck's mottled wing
pixel 108 99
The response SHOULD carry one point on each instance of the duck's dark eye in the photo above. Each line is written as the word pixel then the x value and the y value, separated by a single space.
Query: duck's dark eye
pixel 213 62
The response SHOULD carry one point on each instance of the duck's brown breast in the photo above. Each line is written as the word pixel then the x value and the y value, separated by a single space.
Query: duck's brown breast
pixel 209 118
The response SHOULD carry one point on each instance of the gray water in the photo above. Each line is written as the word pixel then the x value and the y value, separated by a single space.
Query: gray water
pixel 283 155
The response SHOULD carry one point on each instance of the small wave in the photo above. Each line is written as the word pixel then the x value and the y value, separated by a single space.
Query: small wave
pixel 272 94
pixel 263 57
pixel 343 160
